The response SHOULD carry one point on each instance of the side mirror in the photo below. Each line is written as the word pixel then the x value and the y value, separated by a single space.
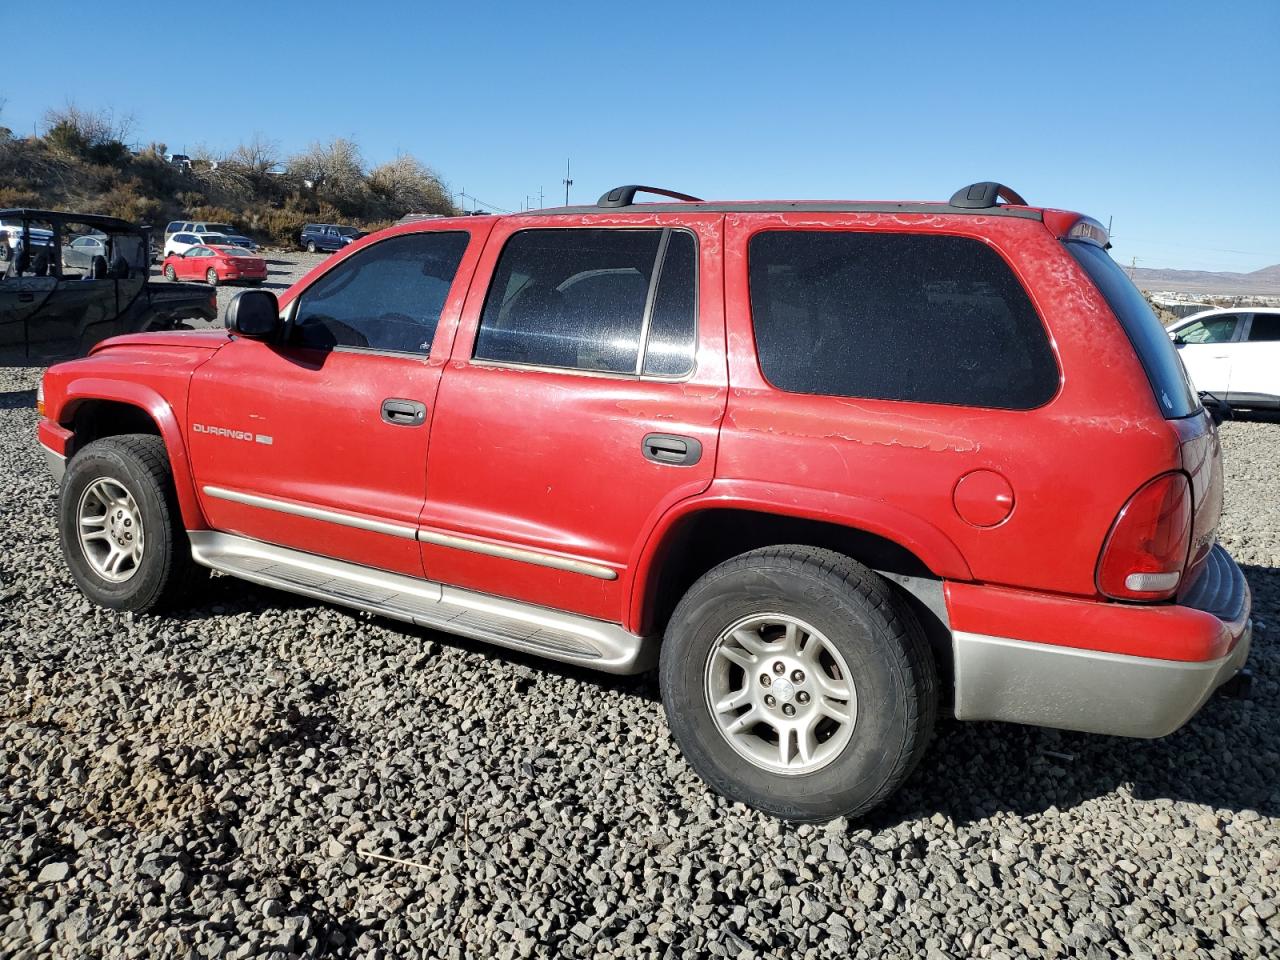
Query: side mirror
pixel 254 314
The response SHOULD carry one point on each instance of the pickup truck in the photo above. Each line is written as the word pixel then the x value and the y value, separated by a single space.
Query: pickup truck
pixel 55 305
pixel 835 467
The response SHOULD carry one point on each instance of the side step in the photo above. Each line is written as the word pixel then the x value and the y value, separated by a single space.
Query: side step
pixel 507 623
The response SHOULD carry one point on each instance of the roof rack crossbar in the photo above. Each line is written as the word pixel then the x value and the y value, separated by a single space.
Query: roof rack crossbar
pixel 625 196
pixel 979 196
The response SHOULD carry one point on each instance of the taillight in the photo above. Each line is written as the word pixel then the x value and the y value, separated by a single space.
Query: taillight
pixel 1146 551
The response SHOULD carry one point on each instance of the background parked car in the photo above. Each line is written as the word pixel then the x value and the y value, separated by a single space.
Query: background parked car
pixel 11 233
pixel 205 228
pixel 1233 354
pixel 215 264
pixel 327 236
pixel 79 253
pixel 180 243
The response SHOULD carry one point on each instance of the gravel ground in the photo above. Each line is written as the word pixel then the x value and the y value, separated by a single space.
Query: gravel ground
pixel 283 269
pixel 257 776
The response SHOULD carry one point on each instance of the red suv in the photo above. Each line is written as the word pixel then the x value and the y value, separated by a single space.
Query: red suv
pixel 834 465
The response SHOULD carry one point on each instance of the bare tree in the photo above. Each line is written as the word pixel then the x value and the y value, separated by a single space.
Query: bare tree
pixel 335 172
pixel 407 185
pixel 87 129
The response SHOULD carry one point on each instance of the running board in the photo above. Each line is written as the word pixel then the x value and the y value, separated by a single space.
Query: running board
pixel 508 623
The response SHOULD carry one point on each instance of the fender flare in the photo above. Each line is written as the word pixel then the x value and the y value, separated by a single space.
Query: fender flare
pixel 83 389
pixel 934 548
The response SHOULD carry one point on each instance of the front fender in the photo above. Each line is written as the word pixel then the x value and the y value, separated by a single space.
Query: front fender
pixel 933 547
pixel 85 388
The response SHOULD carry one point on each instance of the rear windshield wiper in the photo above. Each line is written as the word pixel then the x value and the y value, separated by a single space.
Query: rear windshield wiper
pixel 1219 409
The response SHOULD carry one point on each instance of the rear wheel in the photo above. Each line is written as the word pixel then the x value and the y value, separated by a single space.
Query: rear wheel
pixel 796 682
pixel 212 276
pixel 170 274
pixel 120 528
pixel 311 246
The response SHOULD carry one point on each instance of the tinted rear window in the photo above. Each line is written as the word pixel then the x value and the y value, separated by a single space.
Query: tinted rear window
pixel 1266 326
pixel 933 319
pixel 1150 340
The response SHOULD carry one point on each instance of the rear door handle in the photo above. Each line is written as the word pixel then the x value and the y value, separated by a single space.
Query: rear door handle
pixel 404 413
pixel 671 450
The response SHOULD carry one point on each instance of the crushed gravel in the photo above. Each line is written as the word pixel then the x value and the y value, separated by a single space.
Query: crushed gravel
pixel 258 776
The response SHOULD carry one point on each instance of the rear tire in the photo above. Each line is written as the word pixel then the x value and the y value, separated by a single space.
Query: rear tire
pixel 211 275
pixel 731 646
pixel 123 487
pixel 170 274
pixel 311 246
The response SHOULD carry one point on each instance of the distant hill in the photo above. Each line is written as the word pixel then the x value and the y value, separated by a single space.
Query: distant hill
pixel 1260 283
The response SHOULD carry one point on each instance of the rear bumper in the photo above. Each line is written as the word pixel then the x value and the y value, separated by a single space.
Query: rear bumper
pixel 1120 669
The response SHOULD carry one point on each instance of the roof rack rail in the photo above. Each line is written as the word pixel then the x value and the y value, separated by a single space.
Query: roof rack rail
pixel 979 196
pixel 625 196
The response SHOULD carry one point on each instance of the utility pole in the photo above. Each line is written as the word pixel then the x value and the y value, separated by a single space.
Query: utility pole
pixel 541 202
pixel 567 183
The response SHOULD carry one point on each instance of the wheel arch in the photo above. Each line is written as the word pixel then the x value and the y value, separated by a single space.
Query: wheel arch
pixel 697 534
pixel 94 409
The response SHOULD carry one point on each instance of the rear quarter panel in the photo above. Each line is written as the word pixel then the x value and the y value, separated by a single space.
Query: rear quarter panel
pixel 1072 463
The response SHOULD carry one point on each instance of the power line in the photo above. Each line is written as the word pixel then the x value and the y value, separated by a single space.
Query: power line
pixel 483 204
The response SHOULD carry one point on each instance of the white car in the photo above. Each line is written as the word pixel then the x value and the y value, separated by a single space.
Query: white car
pixel 180 243
pixel 1233 353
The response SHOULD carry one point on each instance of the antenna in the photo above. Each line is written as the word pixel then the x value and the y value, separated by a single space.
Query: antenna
pixel 567 183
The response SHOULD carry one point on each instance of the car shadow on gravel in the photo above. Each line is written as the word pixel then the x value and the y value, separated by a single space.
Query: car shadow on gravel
pixel 17 399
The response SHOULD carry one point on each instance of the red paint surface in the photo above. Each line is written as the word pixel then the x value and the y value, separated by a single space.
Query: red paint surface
pixel 983 498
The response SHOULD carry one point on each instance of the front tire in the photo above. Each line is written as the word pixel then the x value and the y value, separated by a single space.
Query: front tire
pixel 120 528
pixel 311 247
pixel 796 682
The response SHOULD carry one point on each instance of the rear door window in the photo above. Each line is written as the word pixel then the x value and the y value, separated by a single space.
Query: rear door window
pixel 934 319
pixel 1265 327
pixel 1159 357
pixel 387 297
pixel 612 300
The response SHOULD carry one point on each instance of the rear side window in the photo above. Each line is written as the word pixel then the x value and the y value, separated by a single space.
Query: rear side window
pixel 1158 355
pixel 1266 326
pixel 387 297
pixel 610 300
pixel 932 319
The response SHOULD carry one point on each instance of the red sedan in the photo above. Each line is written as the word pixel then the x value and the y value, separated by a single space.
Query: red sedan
pixel 215 264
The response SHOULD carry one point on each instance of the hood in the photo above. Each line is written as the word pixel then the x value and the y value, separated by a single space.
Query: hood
pixel 198 339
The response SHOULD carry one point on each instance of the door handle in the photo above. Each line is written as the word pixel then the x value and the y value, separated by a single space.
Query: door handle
pixel 404 413
pixel 671 450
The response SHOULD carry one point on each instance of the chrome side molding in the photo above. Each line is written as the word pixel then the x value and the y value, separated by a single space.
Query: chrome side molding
pixel 539 558
pixel 527 627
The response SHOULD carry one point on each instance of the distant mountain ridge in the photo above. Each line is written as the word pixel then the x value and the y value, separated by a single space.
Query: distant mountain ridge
pixel 1264 282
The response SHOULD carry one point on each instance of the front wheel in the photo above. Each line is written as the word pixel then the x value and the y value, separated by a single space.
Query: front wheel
pixel 796 682
pixel 311 246
pixel 119 525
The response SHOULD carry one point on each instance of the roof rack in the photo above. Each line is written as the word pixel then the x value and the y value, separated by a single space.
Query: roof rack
pixel 625 196
pixel 980 196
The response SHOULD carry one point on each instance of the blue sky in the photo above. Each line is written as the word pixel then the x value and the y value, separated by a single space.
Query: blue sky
pixel 1164 116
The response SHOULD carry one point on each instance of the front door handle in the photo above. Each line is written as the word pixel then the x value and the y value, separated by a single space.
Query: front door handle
pixel 404 413
pixel 671 450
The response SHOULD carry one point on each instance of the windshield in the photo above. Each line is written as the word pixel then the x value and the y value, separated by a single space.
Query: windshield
pixel 1168 377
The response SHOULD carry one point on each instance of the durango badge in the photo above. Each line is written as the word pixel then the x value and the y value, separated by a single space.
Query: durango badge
pixel 232 434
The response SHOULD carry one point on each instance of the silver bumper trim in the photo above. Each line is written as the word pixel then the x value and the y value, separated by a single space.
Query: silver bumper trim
pixel 1050 686
pixel 56 461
